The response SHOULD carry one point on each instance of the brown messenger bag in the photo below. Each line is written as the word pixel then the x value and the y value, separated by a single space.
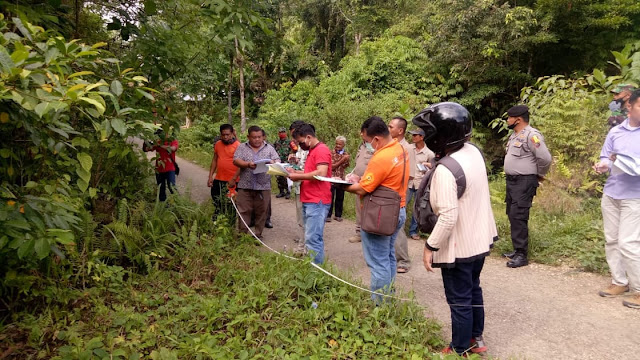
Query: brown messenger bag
pixel 381 208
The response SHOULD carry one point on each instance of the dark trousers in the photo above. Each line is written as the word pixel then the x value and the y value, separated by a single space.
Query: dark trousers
pixel 221 202
pixel 253 203
pixel 462 290
pixel 337 201
pixel 520 192
pixel 165 180
pixel 282 184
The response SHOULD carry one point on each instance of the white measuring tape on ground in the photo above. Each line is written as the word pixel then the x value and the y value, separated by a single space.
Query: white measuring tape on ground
pixel 324 270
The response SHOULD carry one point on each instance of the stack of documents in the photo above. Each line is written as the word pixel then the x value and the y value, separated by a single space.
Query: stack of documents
pixel 626 164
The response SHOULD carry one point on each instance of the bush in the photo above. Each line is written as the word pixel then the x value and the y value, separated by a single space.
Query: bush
pixel 391 75
pixel 64 119
pixel 225 299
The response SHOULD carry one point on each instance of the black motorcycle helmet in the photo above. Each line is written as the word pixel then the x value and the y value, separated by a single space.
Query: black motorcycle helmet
pixel 446 125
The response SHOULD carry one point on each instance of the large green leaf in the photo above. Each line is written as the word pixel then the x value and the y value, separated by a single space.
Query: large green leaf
pixel 6 63
pixel 116 87
pixel 43 108
pixel 119 126
pixel 95 103
pixel 25 248
pixel 85 161
pixel 82 184
pixel 80 141
pixel 145 94
pixel 62 236
pixel 83 174
pixel 42 247
pixel 23 29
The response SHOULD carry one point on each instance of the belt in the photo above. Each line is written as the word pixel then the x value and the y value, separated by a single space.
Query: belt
pixel 518 177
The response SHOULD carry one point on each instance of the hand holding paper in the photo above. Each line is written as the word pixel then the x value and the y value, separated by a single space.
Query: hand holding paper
pixel 278 169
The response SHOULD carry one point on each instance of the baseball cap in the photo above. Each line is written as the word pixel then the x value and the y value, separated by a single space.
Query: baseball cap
pixel 518 110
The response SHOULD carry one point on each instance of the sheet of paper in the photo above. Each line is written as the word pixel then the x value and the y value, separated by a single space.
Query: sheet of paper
pixel 261 166
pixel 278 169
pixel 625 164
pixel 332 180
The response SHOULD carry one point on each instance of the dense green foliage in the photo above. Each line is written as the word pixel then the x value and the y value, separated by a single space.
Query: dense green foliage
pixel 66 110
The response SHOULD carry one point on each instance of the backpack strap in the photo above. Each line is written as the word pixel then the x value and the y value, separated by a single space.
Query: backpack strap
pixel 455 168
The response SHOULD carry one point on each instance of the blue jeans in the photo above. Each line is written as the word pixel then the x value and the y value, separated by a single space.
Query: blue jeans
pixel 462 289
pixel 380 255
pixel 314 216
pixel 413 228
pixel 165 180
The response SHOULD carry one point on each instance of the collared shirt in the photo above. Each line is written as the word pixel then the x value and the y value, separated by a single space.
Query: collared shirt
pixel 362 160
pixel 422 156
pixel 622 139
pixel 527 154
pixel 315 191
pixel 338 171
pixel 249 180
pixel 387 167
pixel 412 157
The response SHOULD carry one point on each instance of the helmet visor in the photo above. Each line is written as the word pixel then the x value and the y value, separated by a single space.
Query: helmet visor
pixel 423 121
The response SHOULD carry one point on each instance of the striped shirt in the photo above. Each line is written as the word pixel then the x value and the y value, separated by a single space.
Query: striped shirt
pixel 466 228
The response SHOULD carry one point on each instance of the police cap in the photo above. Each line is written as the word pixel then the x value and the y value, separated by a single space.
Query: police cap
pixel 518 110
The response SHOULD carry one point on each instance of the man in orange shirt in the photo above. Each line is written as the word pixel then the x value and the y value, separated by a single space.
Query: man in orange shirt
pixel 224 170
pixel 387 167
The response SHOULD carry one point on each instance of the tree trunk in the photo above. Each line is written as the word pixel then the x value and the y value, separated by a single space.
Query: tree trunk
pixel 229 86
pixel 358 39
pixel 78 6
pixel 243 118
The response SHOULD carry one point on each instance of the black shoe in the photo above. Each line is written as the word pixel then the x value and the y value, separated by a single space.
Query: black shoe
pixel 281 195
pixel 268 224
pixel 509 255
pixel 288 196
pixel 518 261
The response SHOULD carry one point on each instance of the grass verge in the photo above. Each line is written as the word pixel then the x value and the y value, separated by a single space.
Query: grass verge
pixel 219 298
pixel 563 228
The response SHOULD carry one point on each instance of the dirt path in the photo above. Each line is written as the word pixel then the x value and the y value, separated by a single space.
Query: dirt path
pixel 535 312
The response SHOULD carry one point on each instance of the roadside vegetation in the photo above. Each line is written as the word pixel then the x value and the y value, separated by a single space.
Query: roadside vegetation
pixel 208 297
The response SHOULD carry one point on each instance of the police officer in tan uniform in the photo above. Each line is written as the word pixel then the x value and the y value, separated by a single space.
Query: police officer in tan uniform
pixel 526 163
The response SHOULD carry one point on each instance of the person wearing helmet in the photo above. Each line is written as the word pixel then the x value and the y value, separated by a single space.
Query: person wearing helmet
pixel 465 230
pixel 526 163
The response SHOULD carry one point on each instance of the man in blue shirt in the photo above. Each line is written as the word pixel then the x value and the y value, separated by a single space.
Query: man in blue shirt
pixel 621 206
